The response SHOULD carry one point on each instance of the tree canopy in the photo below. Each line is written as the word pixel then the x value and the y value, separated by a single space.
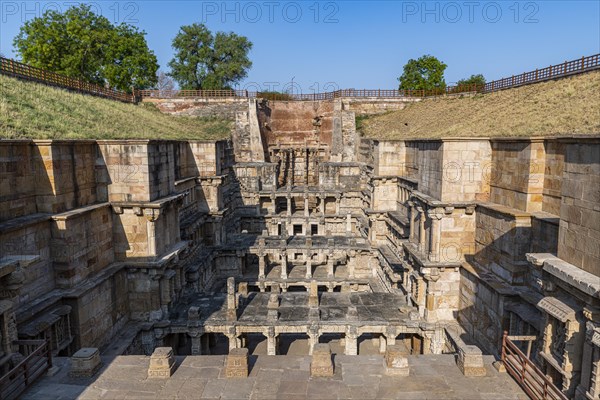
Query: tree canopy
pixel 425 73
pixel 81 44
pixel 206 61
pixel 477 80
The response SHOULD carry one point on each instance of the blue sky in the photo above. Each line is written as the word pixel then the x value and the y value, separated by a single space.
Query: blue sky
pixel 326 45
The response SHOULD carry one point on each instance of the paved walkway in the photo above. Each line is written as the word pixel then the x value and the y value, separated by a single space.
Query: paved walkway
pixel 279 377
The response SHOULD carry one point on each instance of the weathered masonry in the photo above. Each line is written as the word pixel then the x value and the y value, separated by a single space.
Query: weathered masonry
pixel 299 229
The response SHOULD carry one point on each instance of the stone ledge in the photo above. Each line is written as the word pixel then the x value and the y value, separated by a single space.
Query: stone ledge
pixel 78 211
pixel 508 211
pixel 14 224
pixel 546 217
pixel 566 272
pixel 159 203
pixel 470 357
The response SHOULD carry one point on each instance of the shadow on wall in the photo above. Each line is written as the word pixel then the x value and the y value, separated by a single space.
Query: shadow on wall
pixel 501 296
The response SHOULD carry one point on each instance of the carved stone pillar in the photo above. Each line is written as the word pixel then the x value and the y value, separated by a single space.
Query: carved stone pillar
pixel 273 205
pixel 390 335
pixel 350 263
pixel 412 219
pixel 437 341
pixel 337 204
pixel 308 265
pixel 271 342
pixel 205 344
pixel 313 338
pixel 434 246
pixel 322 204
pixel 284 265
pixel 421 229
pixel 196 344
pixel 348 224
pixel 426 345
pixel 233 339
pixel 330 268
pixel 382 344
pixel 589 386
pixel 306 211
pixel 351 342
pixel 261 266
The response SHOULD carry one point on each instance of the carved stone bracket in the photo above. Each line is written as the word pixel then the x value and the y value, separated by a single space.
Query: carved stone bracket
pixel 436 213
pixel 152 214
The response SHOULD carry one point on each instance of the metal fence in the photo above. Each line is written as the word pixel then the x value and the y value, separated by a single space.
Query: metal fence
pixel 24 71
pixel 27 72
pixel 567 68
pixel 531 379
pixel 38 359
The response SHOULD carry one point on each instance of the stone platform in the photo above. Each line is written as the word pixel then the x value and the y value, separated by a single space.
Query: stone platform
pixel 277 377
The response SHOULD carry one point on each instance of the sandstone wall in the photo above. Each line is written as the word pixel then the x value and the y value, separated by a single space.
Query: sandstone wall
pixel 579 232
pixel 46 176
pixel 60 238
pixel 385 195
pixel 296 123
pixel 502 238
pixel 201 107
pixel 81 244
pixel 100 311
pixel 390 158
pixel 28 237
pixel 481 311
pixel 374 105
pixel 18 179
pixel 138 170
pixel 458 235
pixel 443 296
pixel 553 173
pixel 517 176
pixel 424 162
pixel 463 170
pixel 544 233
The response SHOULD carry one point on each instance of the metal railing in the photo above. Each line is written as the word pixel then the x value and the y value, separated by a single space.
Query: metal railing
pixel 38 359
pixel 531 379
pixel 24 71
pixel 567 68
pixel 27 72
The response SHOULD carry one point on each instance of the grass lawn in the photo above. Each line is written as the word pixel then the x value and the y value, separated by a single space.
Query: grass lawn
pixel 33 111
pixel 561 107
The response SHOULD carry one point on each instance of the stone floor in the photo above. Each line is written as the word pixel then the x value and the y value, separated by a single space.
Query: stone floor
pixel 278 377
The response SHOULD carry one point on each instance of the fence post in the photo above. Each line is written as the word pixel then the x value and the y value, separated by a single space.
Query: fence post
pixel 48 350
pixel 503 353
pixel 582 62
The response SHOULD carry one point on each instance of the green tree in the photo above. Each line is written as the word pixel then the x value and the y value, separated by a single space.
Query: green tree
pixel 129 61
pixel 206 61
pixel 81 44
pixel 425 73
pixel 474 80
